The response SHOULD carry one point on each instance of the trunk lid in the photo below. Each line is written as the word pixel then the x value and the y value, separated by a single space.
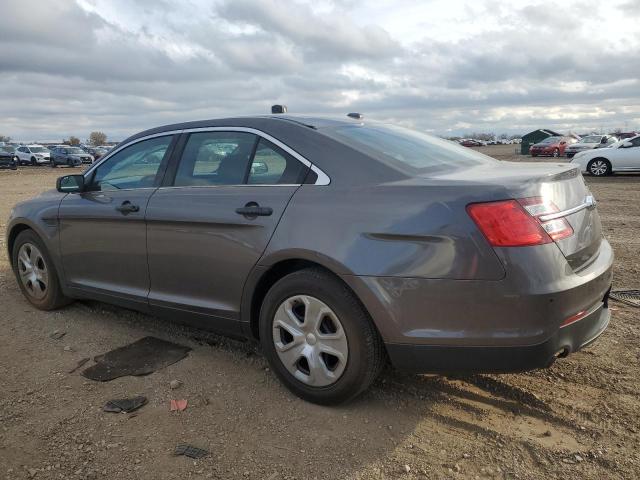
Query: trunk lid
pixel 561 184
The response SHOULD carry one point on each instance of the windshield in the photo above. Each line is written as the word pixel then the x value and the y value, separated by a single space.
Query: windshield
pixel 38 149
pixel 551 140
pixel 7 149
pixel 75 150
pixel 591 139
pixel 407 150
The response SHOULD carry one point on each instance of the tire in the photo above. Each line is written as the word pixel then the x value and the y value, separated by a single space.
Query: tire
pixel 70 163
pixel 599 167
pixel 345 325
pixel 50 297
pixel 534 154
pixel 556 153
pixel 34 162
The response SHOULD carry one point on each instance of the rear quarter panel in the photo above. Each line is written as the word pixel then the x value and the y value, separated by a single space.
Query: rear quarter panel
pixel 386 230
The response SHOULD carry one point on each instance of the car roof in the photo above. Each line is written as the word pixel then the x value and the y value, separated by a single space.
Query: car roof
pixel 315 122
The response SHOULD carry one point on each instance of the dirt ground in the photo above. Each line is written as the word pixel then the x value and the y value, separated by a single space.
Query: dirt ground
pixel 579 419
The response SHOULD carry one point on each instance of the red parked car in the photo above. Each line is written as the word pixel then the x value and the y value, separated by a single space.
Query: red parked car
pixel 551 146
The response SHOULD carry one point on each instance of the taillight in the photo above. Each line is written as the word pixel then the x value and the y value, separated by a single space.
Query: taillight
pixel 558 228
pixel 516 223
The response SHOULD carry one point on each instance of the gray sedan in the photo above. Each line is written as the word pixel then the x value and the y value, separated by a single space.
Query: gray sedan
pixel 69 156
pixel 338 245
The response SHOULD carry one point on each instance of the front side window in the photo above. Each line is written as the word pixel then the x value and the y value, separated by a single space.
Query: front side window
pixel 271 166
pixel 215 158
pixel 135 166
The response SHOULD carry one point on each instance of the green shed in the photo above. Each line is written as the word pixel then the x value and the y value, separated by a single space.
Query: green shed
pixel 534 137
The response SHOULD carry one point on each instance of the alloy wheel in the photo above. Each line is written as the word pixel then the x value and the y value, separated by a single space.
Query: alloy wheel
pixel 33 271
pixel 598 167
pixel 310 341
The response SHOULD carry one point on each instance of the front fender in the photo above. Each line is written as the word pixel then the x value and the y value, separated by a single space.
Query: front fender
pixel 40 215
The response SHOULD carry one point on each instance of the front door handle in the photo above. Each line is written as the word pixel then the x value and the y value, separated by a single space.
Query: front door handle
pixel 127 207
pixel 253 210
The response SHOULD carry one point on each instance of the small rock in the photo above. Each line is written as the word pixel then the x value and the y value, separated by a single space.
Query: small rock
pixel 456 467
pixel 67 348
pixel 466 455
pixel 173 384
pixel 32 472
pixel 578 458
pixel 407 468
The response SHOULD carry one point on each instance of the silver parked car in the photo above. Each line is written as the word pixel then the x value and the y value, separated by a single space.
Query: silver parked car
pixel 590 142
pixel 337 244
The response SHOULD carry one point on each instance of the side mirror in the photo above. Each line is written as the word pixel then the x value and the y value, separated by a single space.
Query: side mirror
pixel 70 184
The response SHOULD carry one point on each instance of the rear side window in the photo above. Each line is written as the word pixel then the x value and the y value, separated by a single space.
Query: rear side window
pixel 271 166
pixel 215 158
pixel 407 150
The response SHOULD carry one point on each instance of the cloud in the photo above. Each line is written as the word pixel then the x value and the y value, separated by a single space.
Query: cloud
pixel 443 66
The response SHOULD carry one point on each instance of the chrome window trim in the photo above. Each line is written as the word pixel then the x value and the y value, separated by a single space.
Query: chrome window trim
pixel 589 202
pixel 322 180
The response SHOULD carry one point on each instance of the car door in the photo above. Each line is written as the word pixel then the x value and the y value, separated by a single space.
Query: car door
pixel 22 154
pixel 628 158
pixel 207 228
pixel 102 230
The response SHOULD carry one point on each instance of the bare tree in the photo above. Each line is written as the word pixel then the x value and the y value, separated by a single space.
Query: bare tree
pixel 97 138
pixel 5 138
pixel 72 141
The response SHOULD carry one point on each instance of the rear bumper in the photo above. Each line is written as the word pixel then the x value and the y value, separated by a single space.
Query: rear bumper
pixel 502 359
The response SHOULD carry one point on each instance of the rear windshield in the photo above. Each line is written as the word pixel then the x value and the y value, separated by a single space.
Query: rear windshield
pixel 407 150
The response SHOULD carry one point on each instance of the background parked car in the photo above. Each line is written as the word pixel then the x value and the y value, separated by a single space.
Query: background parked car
pixel 8 158
pixel 70 156
pixel 468 142
pixel 551 146
pixel 33 155
pixel 97 152
pixel 590 142
pixel 622 156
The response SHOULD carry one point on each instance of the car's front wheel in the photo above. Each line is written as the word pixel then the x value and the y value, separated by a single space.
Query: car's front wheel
pixel 34 162
pixel 599 167
pixel 36 273
pixel 318 338
pixel 556 153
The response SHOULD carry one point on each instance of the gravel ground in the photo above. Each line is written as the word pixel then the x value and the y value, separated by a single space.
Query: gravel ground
pixel 578 419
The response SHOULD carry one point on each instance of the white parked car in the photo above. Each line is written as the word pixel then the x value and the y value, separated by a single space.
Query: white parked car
pixel 590 142
pixel 622 156
pixel 33 155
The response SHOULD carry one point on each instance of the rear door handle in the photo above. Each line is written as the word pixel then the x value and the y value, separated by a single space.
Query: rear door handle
pixel 127 207
pixel 253 210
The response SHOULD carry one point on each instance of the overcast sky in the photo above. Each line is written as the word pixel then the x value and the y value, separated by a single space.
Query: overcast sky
pixel 445 66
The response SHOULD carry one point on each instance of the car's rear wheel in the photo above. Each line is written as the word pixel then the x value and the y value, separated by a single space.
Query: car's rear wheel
pixel 534 154
pixel 36 273
pixel 318 338
pixel 599 167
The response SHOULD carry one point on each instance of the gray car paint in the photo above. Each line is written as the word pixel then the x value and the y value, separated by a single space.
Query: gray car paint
pixel 404 244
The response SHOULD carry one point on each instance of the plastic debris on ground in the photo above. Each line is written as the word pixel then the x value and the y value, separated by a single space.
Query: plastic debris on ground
pixel 178 405
pixel 190 451
pixel 630 297
pixel 125 405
